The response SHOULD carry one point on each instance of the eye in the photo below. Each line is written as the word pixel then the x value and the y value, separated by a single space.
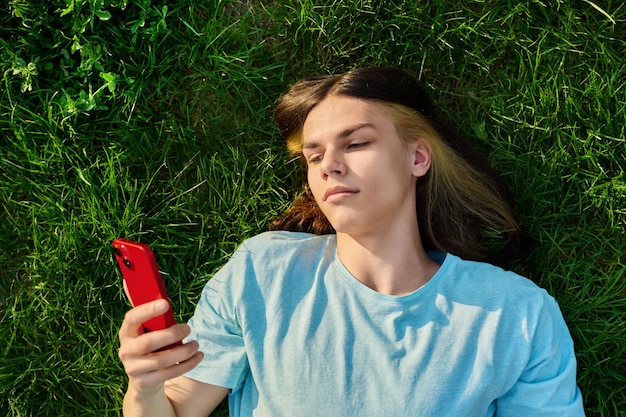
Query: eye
pixel 313 158
pixel 357 145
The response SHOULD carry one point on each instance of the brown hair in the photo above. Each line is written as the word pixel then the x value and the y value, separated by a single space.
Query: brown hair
pixel 463 206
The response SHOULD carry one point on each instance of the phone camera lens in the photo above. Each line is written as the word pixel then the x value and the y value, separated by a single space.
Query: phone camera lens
pixel 127 263
pixel 116 251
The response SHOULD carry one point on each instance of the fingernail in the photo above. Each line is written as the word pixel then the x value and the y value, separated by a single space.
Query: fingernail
pixel 161 306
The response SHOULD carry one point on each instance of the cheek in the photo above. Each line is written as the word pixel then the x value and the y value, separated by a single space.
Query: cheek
pixel 313 181
pixel 309 177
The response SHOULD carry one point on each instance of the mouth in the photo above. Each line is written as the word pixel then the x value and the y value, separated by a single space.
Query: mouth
pixel 337 193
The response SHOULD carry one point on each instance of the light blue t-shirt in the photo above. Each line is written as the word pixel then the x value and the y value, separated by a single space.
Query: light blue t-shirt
pixel 294 334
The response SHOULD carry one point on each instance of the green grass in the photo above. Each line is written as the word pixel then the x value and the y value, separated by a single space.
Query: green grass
pixel 152 120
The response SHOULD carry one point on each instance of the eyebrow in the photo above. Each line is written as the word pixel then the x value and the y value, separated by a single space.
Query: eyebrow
pixel 342 135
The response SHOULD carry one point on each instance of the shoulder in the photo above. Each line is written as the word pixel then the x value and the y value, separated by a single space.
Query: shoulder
pixel 480 282
pixel 282 245
pixel 269 240
pixel 516 310
pixel 267 260
pixel 273 256
pixel 486 275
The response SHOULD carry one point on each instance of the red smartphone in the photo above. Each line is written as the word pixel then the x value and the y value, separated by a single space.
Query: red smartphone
pixel 143 281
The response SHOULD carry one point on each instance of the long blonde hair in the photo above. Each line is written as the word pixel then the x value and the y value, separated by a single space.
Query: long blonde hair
pixel 462 204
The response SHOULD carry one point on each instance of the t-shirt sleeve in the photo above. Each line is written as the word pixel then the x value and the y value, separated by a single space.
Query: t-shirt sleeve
pixel 216 328
pixel 547 387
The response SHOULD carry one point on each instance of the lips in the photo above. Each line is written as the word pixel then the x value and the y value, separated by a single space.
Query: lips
pixel 335 193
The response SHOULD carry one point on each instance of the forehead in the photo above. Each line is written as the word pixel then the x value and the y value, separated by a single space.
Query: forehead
pixel 335 114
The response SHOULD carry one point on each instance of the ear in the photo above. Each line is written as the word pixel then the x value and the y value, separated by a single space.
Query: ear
pixel 422 157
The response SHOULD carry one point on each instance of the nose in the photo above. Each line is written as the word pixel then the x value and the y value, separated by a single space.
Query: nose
pixel 332 164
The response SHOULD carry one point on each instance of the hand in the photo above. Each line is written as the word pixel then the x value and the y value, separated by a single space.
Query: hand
pixel 147 369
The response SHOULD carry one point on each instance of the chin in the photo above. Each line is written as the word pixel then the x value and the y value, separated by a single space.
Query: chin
pixel 347 228
pixel 348 222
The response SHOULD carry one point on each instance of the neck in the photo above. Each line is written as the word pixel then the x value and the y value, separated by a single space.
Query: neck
pixel 390 262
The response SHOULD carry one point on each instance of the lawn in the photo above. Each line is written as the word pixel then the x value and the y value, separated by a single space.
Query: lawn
pixel 152 120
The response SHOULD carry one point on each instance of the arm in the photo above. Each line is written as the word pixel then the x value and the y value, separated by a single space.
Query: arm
pixel 150 391
pixel 192 398
pixel 548 385
pixel 180 397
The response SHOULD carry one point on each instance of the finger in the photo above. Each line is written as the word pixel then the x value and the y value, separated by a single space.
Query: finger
pixel 182 367
pixel 160 361
pixel 131 325
pixel 127 292
pixel 158 339
pixel 136 348
pixel 151 379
